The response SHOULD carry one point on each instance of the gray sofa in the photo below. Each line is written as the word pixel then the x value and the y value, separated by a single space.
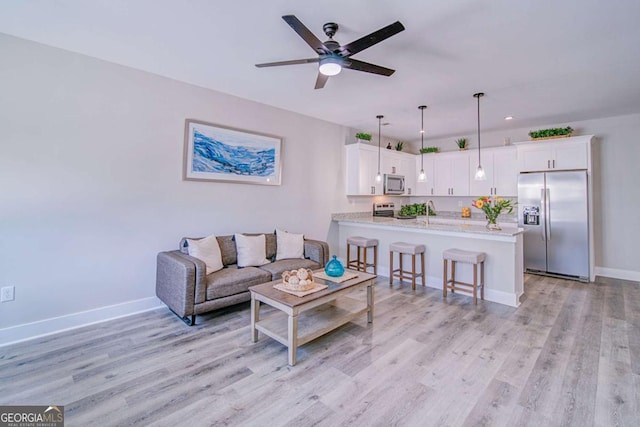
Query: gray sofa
pixel 183 285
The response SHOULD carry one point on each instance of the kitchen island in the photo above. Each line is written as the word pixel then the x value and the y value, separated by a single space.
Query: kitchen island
pixel 504 268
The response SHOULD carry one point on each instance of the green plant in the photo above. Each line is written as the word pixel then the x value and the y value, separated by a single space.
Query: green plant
pixel 545 133
pixel 363 136
pixel 461 142
pixel 414 209
pixel 399 146
pixel 429 150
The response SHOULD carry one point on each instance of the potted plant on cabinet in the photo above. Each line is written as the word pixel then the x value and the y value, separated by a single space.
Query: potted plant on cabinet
pixel 363 137
pixel 461 143
pixel 551 133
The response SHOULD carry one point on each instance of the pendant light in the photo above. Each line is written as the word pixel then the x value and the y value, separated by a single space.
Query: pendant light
pixel 480 175
pixel 378 176
pixel 421 176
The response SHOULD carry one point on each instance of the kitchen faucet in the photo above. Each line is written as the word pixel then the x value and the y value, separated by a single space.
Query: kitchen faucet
pixel 431 206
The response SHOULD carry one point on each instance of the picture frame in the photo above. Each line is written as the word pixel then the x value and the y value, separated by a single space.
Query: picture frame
pixel 219 153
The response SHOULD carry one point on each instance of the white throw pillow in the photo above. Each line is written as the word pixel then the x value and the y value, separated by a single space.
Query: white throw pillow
pixel 208 251
pixel 252 250
pixel 289 245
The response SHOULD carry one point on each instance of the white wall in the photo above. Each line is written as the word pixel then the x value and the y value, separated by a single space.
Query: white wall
pixel 91 164
pixel 616 175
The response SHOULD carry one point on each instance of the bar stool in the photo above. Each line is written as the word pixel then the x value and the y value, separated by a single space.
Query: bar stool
pixel 406 249
pixel 362 243
pixel 471 257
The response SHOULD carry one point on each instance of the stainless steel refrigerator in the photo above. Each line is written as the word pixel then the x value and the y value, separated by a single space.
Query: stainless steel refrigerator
pixel 553 209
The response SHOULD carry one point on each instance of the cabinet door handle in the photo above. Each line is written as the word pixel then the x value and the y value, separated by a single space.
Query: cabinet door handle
pixel 432 191
pixel 553 162
pixel 373 189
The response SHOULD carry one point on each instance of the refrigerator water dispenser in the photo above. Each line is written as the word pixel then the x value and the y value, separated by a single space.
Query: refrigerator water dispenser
pixel 531 215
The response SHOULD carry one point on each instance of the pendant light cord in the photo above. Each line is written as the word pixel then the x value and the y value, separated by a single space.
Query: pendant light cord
pixel 478 96
pixel 422 107
pixel 379 130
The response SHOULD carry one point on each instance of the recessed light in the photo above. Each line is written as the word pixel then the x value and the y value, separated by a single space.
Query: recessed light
pixel 509 118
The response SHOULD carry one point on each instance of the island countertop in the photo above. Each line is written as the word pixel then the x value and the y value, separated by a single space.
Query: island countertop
pixel 437 224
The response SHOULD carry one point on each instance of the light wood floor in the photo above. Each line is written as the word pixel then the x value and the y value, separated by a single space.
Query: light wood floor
pixel 569 355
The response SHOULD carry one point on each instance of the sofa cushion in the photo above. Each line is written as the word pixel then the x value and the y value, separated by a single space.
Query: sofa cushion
pixel 208 251
pixel 228 247
pixel 277 267
pixel 233 280
pixel 251 250
pixel 289 245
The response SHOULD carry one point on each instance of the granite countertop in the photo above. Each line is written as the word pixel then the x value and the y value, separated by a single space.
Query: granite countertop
pixel 443 221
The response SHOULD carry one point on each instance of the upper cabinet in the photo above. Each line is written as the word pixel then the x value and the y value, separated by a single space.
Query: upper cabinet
pixel 501 169
pixel 426 187
pixel 559 154
pixel 451 172
pixel 398 163
pixel 362 168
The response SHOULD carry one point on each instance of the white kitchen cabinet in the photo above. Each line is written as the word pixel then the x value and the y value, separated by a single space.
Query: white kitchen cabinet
pixel 361 170
pixel 559 154
pixel 426 187
pixel 451 172
pixel 398 163
pixel 501 169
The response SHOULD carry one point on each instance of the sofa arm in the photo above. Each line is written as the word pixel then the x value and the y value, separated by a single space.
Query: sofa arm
pixel 179 278
pixel 316 251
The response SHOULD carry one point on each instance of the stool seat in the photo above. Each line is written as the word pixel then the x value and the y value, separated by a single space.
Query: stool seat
pixel 407 248
pixel 363 242
pixel 460 255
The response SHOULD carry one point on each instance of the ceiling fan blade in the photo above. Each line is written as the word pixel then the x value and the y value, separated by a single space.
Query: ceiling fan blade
pixel 321 80
pixel 306 34
pixel 354 64
pixel 292 62
pixel 373 38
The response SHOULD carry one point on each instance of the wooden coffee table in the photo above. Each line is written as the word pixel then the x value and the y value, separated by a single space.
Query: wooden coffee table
pixel 321 312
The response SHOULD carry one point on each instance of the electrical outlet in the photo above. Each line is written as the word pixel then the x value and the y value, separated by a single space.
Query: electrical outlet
pixel 460 203
pixel 8 293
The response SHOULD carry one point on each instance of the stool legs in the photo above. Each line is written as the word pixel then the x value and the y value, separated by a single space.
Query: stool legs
pixel 450 284
pixel 390 269
pixel 375 260
pixel 402 275
pixel 360 262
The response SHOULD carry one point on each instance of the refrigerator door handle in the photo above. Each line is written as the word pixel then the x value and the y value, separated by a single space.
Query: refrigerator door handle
pixel 543 200
pixel 548 214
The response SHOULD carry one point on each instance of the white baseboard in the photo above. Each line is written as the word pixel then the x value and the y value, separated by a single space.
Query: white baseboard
pixel 54 325
pixel 492 295
pixel 615 273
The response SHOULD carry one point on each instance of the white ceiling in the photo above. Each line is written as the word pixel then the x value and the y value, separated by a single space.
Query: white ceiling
pixel 541 61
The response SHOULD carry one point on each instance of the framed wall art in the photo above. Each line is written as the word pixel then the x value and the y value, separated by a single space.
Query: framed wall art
pixel 218 153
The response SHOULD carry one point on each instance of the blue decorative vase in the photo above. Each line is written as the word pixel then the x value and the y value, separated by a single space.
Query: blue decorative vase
pixel 334 268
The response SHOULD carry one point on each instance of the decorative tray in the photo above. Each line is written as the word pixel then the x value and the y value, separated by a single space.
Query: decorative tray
pixel 406 217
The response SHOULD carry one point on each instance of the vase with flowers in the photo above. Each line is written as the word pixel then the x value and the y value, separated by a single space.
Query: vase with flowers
pixel 492 207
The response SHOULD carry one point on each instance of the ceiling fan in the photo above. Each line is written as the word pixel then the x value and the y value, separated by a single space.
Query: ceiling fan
pixel 333 57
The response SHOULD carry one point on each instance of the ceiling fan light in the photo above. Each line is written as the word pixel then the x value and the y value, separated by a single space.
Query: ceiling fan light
pixel 330 66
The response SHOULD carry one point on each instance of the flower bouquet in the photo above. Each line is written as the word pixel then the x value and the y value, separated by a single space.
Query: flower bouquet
pixel 492 208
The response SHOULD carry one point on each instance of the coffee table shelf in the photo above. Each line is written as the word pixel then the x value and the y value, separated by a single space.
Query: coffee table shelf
pixel 315 322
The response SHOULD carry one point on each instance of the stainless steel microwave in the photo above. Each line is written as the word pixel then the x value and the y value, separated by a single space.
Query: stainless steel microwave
pixel 393 184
